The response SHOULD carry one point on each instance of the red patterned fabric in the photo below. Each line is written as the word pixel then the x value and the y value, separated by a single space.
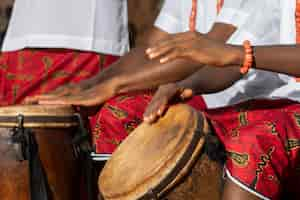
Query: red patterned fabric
pixel 30 72
pixel 262 140
pixel 121 115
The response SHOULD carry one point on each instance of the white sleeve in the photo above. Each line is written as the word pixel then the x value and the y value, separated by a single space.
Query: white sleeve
pixel 170 17
pixel 235 12
pixel 255 20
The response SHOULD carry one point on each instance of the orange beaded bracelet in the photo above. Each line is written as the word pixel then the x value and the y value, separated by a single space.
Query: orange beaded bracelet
pixel 248 60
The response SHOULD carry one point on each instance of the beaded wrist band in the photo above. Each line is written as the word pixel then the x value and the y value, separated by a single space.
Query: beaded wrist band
pixel 248 60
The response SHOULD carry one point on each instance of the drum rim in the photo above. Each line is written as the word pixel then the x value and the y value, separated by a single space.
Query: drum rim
pixel 37 110
pixel 39 121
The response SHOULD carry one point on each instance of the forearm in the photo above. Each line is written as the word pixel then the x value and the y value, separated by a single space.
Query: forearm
pixel 153 73
pixel 211 79
pixel 281 59
pixel 135 71
pixel 135 57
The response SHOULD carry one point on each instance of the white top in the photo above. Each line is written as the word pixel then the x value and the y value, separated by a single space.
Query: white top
pixel 91 25
pixel 288 36
pixel 256 20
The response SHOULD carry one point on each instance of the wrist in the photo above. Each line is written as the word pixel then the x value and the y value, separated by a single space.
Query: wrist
pixel 237 55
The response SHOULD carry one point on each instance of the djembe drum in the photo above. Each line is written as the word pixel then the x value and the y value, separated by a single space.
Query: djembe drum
pixel 163 161
pixel 38 140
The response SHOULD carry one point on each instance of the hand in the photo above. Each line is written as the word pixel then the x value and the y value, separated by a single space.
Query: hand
pixel 195 46
pixel 93 96
pixel 163 96
pixel 66 90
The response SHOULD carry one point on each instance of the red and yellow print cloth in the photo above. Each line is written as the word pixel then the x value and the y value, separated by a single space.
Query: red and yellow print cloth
pixel 121 115
pixel 30 72
pixel 262 140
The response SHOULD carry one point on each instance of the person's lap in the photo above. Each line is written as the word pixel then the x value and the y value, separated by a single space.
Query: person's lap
pixel 120 115
pixel 31 72
pixel 261 138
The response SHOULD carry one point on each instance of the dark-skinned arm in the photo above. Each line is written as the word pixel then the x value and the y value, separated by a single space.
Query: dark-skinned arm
pixel 135 71
pixel 145 73
pixel 281 59
pixel 211 80
pixel 206 80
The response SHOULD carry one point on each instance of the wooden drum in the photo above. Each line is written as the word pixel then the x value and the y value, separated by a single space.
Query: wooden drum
pixel 163 161
pixel 37 160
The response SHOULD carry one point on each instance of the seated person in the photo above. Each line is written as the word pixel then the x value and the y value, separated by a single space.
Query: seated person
pixel 261 134
pixel 134 72
pixel 50 43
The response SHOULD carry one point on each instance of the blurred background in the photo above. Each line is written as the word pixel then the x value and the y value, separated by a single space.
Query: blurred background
pixel 142 13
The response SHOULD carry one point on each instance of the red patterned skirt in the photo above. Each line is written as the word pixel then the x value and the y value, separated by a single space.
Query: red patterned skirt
pixel 262 140
pixel 121 115
pixel 30 72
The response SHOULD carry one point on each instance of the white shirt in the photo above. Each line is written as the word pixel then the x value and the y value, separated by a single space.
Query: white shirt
pixel 91 25
pixel 256 20
pixel 288 36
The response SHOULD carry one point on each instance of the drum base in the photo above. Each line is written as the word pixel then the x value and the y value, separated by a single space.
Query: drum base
pixel 55 150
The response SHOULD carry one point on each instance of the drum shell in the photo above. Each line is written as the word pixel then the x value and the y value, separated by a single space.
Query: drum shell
pixel 204 181
pixel 58 160
pixel 153 155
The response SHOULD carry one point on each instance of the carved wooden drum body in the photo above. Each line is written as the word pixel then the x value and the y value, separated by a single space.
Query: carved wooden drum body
pixel 37 157
pixel 156 158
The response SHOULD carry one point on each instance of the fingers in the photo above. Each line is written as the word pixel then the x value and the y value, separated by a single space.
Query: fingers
pixel 155 109
pixel 174 54
pixel 88 98
pixel 31 100
pixel 162 47
pixel 186 94
pixel 62 91
pixel 73 100
pixel 35 99
pixel 159 51
pixel 159 103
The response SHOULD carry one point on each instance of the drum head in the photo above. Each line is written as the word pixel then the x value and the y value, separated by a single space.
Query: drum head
pixel 150 154
pixel 38 116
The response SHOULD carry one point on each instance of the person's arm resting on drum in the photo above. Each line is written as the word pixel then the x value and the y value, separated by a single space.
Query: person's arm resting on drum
pixel 135 71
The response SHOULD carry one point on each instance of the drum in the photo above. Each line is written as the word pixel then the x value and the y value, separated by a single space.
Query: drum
pixel 163 160
pixel 37 159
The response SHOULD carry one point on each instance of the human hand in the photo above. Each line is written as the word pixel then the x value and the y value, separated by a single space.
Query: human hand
pixel 65 90
pixel 93 96
pixel 197 47
pixel 162 98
